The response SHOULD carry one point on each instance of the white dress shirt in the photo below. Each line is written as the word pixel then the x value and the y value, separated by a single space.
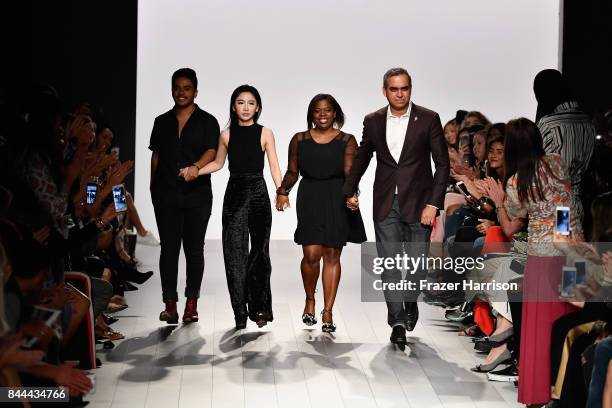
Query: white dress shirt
pixel 396 132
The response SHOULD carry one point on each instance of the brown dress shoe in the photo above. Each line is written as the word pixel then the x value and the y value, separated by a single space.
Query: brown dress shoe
pixel 191 311
pixel 169 315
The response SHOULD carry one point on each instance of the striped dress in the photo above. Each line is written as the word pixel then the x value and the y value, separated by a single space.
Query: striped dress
pixel 569 132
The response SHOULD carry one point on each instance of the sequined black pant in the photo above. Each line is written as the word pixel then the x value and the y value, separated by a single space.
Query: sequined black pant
pixel 247 213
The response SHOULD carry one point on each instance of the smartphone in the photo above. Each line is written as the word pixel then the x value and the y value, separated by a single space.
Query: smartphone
pixel 562 224
pixel 50 316
pixel 568 281
pixel 90 196
pixel 580 265
pixel 119 198
pixel 461 186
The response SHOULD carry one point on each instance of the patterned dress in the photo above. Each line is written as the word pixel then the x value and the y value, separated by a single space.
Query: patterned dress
pixel 542 274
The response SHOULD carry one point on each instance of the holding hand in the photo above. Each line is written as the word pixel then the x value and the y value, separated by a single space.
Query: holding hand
pixel 189 173
pixel 428 215
pixel 282 202
pixel 352 203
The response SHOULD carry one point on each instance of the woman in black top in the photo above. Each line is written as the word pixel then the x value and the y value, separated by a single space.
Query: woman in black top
pixel 246 207
pixel 323 155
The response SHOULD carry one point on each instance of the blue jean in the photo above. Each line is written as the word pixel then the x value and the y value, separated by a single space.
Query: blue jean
pixel 603 355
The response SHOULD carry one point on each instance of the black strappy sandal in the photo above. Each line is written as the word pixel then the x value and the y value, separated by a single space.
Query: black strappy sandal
pixel 327 327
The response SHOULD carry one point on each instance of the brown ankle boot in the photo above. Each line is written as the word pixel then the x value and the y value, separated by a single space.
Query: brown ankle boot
pixel 169 315
pixel 191 311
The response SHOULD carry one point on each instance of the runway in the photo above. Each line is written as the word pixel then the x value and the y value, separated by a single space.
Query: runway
pixel 286 364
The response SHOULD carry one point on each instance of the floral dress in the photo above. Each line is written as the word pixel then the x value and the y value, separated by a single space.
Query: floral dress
pixel 541 305
pixel 557 191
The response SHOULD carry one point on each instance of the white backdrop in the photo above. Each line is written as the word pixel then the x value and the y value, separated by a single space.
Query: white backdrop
pixel 473 55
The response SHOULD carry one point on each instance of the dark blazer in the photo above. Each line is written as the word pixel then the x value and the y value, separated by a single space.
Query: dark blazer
pixel 416 185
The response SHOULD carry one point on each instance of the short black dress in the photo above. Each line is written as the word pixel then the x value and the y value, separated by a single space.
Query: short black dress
pixel 323 218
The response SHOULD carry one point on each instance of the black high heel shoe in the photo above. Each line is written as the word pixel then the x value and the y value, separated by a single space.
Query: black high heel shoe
pixel 309 319
pixel 327 327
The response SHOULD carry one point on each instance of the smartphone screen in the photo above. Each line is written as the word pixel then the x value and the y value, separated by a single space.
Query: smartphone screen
pixel 461 186
pixel 119 198
pixel 568 281
pixel 92 190
pixel 562 225
pixel 580 265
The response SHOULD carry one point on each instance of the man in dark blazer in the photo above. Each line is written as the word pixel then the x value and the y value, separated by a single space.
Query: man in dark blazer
pixel 407 195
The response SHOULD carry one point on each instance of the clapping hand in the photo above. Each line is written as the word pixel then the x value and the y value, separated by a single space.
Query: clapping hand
pixel 494 191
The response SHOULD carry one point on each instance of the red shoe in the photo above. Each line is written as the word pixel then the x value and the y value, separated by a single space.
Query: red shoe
pixel 191 311
pixel 169 315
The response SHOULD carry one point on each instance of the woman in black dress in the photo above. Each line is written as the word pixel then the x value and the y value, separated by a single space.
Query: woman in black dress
pixel 323 155
pixel 246 207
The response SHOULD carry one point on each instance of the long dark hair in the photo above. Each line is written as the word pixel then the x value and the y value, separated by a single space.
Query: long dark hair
pixel 523 156
pixel 233 121
pixel 339 121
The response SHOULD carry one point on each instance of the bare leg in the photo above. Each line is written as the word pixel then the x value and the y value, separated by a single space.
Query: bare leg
pixel 311 267
pixel 331 279
pixel 133 216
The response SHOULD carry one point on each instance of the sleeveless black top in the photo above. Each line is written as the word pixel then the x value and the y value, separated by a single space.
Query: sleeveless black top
pixel 244 150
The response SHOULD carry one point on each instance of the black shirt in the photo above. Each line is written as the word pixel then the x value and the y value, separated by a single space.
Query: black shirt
pixel 200 133
pixel 244 150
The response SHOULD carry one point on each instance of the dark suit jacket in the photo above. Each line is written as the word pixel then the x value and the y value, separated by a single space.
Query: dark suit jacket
pixel 416 185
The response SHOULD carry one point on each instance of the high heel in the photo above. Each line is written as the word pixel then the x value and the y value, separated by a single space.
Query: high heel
pixel 327 327
pixel 309 319
pixel 503 358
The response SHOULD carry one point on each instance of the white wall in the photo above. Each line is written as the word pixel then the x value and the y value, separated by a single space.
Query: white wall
pixel 475 55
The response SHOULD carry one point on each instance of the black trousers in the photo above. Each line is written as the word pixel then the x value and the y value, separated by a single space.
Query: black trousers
pixel 247 213
pixel 187 226
pixel 395 237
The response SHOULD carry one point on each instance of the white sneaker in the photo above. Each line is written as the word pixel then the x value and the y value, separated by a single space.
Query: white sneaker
pixel 149 239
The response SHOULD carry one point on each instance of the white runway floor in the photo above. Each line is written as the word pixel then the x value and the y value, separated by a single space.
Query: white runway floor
pixel 286 364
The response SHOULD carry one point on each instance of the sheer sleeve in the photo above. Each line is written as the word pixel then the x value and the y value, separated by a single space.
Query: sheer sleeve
pixel 292 174
pixel 349 153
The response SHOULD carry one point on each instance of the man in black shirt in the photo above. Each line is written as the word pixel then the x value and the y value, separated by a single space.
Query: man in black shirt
pixel 183 140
